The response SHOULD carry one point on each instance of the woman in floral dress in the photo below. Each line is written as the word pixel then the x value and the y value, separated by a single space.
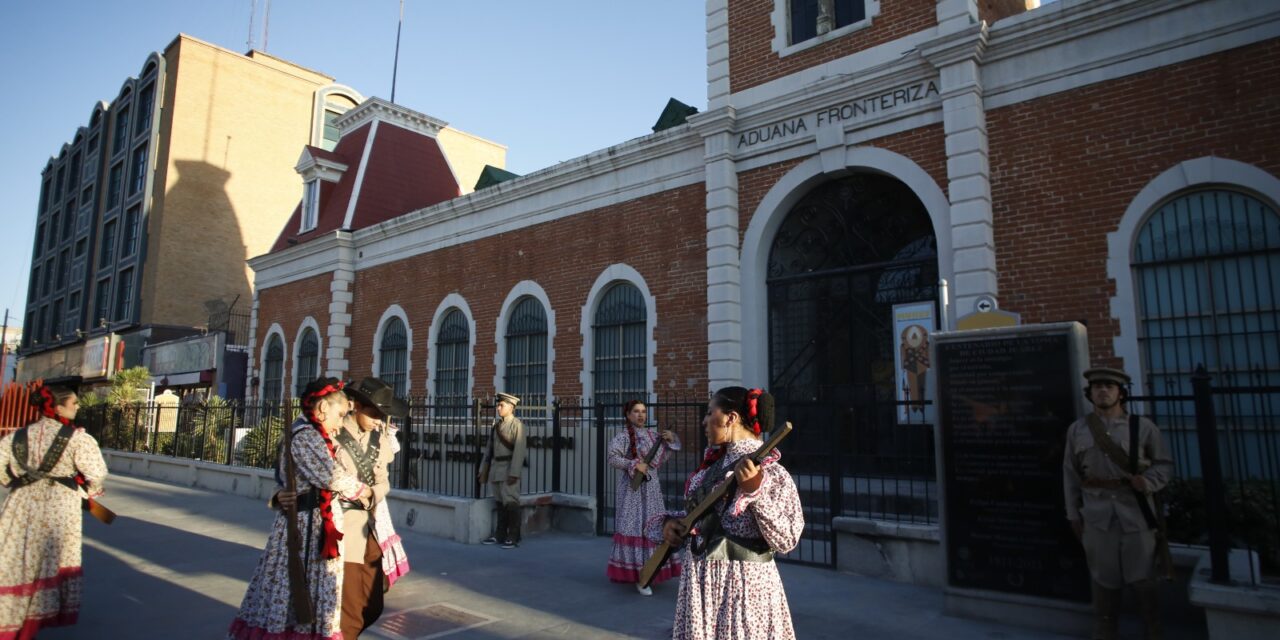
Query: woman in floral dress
pixel 730 588
pixel 267 610
pixel 40 574
pixel 632 509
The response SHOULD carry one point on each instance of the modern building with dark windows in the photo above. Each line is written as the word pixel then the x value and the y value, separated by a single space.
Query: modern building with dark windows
pixel 146 217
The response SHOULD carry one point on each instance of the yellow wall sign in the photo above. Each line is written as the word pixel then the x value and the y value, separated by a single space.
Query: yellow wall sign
pixel 988 320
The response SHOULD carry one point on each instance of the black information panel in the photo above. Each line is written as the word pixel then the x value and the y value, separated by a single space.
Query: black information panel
pixel 1005 404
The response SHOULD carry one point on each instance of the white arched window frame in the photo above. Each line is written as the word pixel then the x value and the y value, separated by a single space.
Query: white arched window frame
pixel 450 302
pixel 276 332
pixel 301 378
pixel 1204 172
pixel 394 311
pixel 525 290
pixel 612 275
pixel 530 289
pixel 773 210
pixel 330 99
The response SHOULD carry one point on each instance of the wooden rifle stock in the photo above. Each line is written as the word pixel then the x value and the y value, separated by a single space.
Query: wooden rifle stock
pixel 700 510
pixel 640 478
pixel 299 594
pixel 95 509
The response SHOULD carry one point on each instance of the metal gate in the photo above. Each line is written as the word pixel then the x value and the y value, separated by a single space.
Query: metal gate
pixel 847 254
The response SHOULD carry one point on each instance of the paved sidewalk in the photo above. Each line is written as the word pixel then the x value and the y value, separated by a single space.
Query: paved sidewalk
pixel 176 562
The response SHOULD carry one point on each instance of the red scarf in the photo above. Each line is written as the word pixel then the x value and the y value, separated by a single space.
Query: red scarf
pixel 331 537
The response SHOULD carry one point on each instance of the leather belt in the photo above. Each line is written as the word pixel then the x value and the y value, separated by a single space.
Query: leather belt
pixel 728 547
pixel 1107 483
pixel 501 458
pixel 32 478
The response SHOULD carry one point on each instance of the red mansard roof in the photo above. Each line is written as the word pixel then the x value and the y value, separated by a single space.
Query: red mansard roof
pixel 404 171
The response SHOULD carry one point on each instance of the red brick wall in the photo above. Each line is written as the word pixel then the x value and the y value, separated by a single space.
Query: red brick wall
pixel 662 236
pixel 1065 167
pixel 288 304
pixel 926 146
pixel 752 60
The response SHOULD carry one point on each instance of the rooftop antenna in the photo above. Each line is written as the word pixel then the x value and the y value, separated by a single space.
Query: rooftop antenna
pixel 266 26
pixel 395 66
pixel 253 8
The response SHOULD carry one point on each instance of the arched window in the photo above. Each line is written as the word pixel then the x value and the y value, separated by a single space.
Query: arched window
pixel 526 370
pixel 846 254
pixel 619 337
pixel 308 360
pixel 453 353
pixel 394 356
pixel 1206 266
pixel 273 372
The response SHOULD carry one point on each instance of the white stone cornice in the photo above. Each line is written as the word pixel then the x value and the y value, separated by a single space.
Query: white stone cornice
pixel 379 109
pixel 1068 20
pixel 310 167
pixel 968 44
pixel 625 166
pixel 1073 43
pixel 714 121
pixel 313 257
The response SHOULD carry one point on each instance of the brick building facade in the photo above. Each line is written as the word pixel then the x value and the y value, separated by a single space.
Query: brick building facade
pixel 1051 159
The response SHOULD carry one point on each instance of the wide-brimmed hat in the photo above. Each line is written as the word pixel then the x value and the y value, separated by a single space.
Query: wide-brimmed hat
pixel 372 392
pixel 506 397
pixel 1107 374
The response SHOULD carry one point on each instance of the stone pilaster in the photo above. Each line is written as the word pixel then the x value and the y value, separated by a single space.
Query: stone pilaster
pixel 717 54
pixel 342 292
pixel 724 274
pixel 958 56
pixel 251 369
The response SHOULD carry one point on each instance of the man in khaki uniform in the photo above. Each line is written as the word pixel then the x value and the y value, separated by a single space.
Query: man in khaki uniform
pixel 503 464
pixel 361 451
pixel 1102 498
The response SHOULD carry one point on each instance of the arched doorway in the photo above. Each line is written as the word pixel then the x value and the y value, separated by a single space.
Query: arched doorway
pixel 846 254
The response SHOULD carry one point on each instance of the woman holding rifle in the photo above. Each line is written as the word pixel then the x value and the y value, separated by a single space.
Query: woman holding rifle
pixel 730 586
pixel 49 466
pixel 270 608
pixel 636 453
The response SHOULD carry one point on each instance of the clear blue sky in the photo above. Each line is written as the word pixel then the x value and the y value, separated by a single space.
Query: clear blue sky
pixel 551 79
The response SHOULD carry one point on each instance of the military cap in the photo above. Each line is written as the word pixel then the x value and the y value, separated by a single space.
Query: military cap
pixel 506 397
pixel 1107 374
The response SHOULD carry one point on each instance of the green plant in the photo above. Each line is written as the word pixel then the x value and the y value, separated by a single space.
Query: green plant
pixel 128 386
pixel 259 445
pixel 92 399
pixel 1251 516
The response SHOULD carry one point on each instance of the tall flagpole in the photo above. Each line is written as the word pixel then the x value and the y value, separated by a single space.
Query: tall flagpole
pixel 395 66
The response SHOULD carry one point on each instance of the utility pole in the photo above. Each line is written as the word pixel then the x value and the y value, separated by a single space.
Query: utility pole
pixel 253 8
pixel 4 345
pixel 266 26
pixel 395 66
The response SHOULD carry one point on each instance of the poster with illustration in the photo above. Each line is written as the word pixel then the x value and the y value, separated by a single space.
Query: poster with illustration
pixel 912 324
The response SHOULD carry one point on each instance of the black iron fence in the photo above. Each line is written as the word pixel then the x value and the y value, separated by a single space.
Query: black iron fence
pixel 864 456
pixel 1225 443
pixel 879 454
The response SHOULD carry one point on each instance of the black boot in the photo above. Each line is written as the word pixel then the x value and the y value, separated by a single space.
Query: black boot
pixel 1106 612
pixel 499 527
pixel 1148 593
pixel 512 539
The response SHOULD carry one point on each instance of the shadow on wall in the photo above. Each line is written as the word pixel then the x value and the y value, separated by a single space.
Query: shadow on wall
pixel 203 257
